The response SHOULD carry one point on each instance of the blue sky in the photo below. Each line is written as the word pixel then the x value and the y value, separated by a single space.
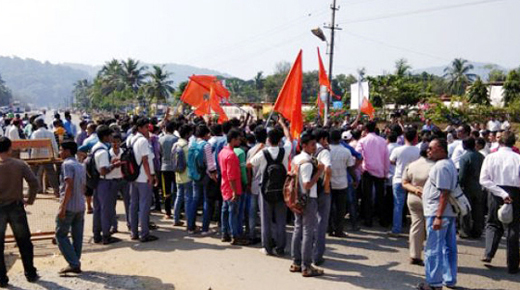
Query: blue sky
pixel 242 37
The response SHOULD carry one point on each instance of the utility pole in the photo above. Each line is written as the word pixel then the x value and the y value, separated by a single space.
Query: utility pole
pixel 332 28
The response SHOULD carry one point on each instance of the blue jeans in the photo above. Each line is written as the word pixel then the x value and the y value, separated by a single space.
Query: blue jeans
pixel 199 190
pixel 302 240
pixel 122 186
pixel 323 214
pixel 440 253
pixel 74 223
pixel 229 218
pixel 141 200
pixel 399 200
pixel 243 208
pixel 253 210
pixel 352 202
pixel 184 195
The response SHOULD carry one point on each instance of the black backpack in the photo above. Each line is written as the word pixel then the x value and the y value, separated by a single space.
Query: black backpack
pixel 274 177
pixel 93 175
pixel 129 166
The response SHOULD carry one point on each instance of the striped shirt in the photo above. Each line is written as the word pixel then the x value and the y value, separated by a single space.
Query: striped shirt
pixel 72 169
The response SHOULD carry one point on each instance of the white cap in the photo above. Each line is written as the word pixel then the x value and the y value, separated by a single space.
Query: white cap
pixel 346 135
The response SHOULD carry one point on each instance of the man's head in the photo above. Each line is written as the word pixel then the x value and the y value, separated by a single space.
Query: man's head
pixel 410 135
pixel 39 123
pixel 392 137
pixel 142 126
pixel 308 143
pixel 233 138
pixel 5 145
pixel 116 140
pixel 438 149
pixel 463 131
pixel 480 143
pixel 322 137
pixel 185 131
pixel 202 132
pixel 104 133
pixel 274 136
pixel 371 127
pixel 508 139
pixel 428 122
pixel 91 128
pixel 335 136
pixel 171 127
pixel 260 134
pixel 468 144
pixel 68 149
pixel 68 116
pixel 83 125
pixel 216 130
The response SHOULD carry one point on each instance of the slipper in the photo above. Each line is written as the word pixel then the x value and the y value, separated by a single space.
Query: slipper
pixel 295 268
pixel 424 286
pixel 312 272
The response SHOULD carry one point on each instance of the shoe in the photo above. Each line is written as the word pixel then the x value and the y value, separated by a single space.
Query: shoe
pixel 97 240
pixel 451 286
pixel 312 272
pixel 33 278
pixel 295 268
pixel 149 238
pixel 114 231
pixel 254 241
pixel 393 235
pixel 319 262
pixel 266 252
pixel 424 286
pixel 486 260
pixel 152 226
pixel 206 233
pixel 226 239
pixel 168 217
pixel 110 240
pixel 178 224
pixel 134 238
pixel 340 235
pixel 69 269
pixel 279 253
pixel 4 282
pixel 418 262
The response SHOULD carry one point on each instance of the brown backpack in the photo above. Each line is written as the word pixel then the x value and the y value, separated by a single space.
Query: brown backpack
pixel 294 198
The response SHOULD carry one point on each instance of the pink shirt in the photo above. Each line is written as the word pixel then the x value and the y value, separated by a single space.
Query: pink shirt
pixel 376 160
pixel 230 170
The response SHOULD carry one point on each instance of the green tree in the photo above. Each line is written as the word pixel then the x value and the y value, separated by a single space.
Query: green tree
pixel 496 75
pixel 402 68
pixel 5 93
pixel 133 75
pixel 82 94
pixel 159 87
pixel 459 76
pixel 478 93
pixel 512 87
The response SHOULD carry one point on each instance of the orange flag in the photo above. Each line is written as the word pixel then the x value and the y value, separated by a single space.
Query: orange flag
pixel 214 103
pixel 324 79
pixel 289 101
pixel 366 107
pixel 204 93
pixel 320 105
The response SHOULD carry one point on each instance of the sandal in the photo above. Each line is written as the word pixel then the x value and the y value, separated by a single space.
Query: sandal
pixel 424 286
pixel 312 272
pixel 295 268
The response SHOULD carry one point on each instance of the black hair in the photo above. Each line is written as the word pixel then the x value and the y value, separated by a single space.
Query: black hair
pixel 103 131
pixel 410 134
pixel 117 136
pixel 392 137
pixel 71 146
pixel 443 143
pixel 481 142
pixel 185 131
pixel 321 134
pixel 250 138
pixel 274 136
pixel 306 138
pixel 226 127
pixel 468 143
pixel 356 134
pixel 216 130
pixel 508 139
pixel 260 134
pixel 335 136
pixel 201 130
pixel 397 129
pixel 466 128
pixel 233 134
pixel 171 126
pixel 83 123
pixel 475 134
pixel 5 144
pixel 141 122
pixel 371 126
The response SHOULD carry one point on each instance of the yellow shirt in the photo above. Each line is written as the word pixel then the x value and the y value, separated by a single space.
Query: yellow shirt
pixel 181 178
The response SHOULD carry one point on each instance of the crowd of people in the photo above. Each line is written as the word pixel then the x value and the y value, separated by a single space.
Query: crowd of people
pixel 236 173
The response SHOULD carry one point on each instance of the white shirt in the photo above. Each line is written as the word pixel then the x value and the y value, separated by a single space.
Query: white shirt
pixel 341 158
pixel 305 172
pixel 142 148
pixel 116 173
pixel 403 156
pixel 259 163
pixel 493 126
pixel 43 133
pixel 257 175
pixel 452 147
pixel 391 170
pixel 457 154
pixel 323 157
pixel 505 125
pixel 501 168
pixel 12 133
pixel 101 156
pixel 1 132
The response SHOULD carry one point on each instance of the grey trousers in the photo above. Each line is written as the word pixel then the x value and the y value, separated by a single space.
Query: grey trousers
pixel 105 199
pixel 51 174
pixel 302 239
pixel 140 202
pixel 323 214
pixel 267 227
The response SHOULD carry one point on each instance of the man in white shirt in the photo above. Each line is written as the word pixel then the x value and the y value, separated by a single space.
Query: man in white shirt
pixel 493 125
pixel 52 176
pixel 323 189
pixel 120 185
pixel 105 195
pixel 141 189
pixel 12 132
pixel 255 176
pixel 341 161
pixel 258 164
pixel 463 132
pixel 500 175
pixel 401 157
pixel 305 224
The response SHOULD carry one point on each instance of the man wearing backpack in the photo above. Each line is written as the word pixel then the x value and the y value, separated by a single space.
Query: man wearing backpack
pixel 305 224
pixel 204 164
pixel 184 182
pixel 167 173
pixel 141 189
pixel 105 194
pixel 268 171
pixel 324 199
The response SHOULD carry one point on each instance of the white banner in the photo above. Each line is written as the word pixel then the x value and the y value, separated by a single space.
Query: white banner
pixel 357 92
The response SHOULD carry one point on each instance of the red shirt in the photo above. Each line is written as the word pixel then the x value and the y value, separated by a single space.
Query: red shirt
pixel 230 170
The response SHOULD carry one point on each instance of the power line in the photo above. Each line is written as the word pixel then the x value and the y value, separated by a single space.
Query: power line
pixel 419 11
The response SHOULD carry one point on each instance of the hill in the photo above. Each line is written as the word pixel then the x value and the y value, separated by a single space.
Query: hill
pixel 479 68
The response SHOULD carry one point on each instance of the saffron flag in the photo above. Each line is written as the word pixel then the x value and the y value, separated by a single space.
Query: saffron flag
pixel 320 105
pixel 289 101
pixel 366 107
pixel 205 93
pixel 324 79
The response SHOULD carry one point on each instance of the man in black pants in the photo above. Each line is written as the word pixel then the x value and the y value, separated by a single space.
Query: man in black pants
pixel 12 211
pixel 169 187
pixel 500 175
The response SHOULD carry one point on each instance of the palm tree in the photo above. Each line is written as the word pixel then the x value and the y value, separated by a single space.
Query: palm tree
pixel 133 75
pixel 512 87
pixel 82 94
pixel 259 81
pixel 478 93
pixel 459 75
pixel 111 77
pixel 402 68
pixel 159 88
pixel 5 93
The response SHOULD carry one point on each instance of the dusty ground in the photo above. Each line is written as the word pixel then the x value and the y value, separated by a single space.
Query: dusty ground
pixel 365 260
